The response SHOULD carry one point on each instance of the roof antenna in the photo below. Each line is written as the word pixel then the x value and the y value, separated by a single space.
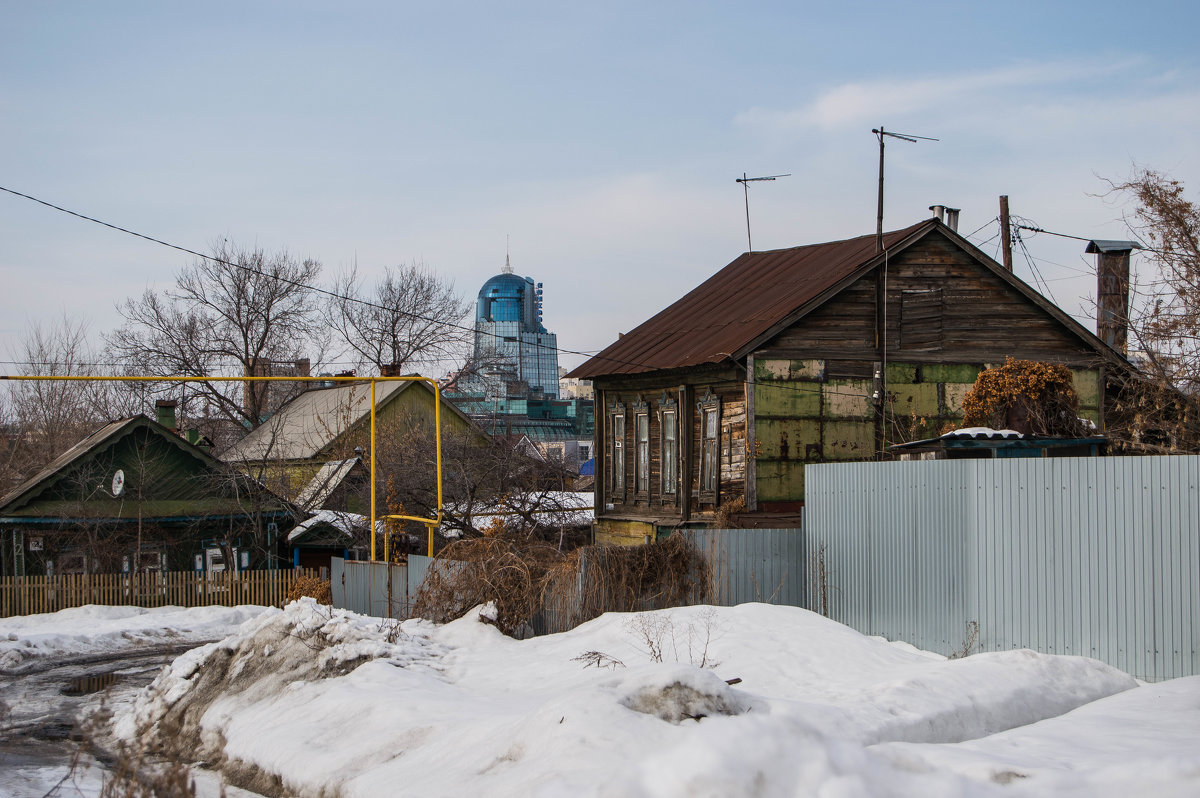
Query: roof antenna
pixel 507 265
pixel 880 133
pixel 746 181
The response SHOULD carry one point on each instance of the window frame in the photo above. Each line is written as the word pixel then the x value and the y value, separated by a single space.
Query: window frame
pixel 641 449
pixel 710 447
pixel 615 446
pixel 668 448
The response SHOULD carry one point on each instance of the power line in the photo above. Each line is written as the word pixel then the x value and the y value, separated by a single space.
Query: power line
pixel 335 295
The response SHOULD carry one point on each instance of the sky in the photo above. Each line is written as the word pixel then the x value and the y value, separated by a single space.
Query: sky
pixel 599 142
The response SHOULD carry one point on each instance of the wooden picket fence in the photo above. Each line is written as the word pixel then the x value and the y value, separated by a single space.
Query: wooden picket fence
pixel 27 595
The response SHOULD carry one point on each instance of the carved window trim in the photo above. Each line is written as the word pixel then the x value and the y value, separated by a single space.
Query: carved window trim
pixel 709 412
pixel 641 448
pixel 615 446
pixel 668 448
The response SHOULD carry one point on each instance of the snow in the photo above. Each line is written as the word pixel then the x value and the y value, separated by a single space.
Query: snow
pixel 344 522
pixel 983 432
pixel 94 629
pixel 311 701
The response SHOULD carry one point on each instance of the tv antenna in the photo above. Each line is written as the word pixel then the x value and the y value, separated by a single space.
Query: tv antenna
pixel 880 133
pixel 746 181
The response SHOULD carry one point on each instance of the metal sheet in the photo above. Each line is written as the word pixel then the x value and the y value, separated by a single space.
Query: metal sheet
pixel 738 304
pixel 766 565
pixel 1097 557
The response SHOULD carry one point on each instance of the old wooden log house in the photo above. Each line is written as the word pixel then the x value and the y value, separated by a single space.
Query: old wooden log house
pixel 817 353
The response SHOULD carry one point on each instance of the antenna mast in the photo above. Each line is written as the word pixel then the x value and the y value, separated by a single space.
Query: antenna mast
pixel 746 181
pixel 880 133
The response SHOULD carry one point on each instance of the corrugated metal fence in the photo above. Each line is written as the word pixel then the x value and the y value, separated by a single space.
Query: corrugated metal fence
pixel 765 565
pixel 1091 556
pixel 378 589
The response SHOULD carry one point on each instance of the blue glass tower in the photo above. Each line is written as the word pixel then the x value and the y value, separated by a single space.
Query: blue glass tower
pixel 517 353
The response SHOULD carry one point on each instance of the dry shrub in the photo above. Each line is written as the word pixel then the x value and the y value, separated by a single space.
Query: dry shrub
pixel 313 587
pixel 1027 396
pixel 524 578
pixel 727 514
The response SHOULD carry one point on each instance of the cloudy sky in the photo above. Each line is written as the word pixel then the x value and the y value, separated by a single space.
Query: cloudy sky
pixel 602 138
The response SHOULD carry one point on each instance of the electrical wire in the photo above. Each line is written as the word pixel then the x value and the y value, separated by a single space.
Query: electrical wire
pixel 368 303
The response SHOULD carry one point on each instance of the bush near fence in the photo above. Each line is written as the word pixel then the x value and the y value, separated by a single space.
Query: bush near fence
pixel 27 595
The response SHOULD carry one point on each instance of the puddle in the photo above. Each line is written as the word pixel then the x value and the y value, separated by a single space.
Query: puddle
pixel 86 685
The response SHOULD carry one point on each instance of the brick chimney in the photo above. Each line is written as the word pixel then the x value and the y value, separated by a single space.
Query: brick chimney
pixel 164 413
pixel 1112 291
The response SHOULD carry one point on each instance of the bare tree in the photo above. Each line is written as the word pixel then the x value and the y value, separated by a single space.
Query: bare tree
pixel 45 418
pixel 1165 307
pixel 1159 408
pixel 411 318
pixel 238 312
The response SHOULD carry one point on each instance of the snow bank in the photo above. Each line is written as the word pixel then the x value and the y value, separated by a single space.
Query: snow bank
pixel 93 629
pixel 310 701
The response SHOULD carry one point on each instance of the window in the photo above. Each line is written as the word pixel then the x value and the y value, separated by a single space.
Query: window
pixel 710 446
pixel 616 451
pixel 642 431
pixel 670 444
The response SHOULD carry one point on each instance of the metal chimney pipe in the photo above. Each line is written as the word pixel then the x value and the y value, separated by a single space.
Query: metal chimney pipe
pixel 952 218
pixel 939 212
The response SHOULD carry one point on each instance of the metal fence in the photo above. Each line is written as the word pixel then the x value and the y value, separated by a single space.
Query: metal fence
pixel 765 565
pixel 1092 556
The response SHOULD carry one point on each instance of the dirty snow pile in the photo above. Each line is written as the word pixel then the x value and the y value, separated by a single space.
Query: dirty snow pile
pixel 309 701
pixel 94 630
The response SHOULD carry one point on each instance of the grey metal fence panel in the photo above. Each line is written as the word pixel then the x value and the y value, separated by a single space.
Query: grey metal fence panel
pixel 377 589
pixel 767 565
pixel 337 581
pixel 1091 556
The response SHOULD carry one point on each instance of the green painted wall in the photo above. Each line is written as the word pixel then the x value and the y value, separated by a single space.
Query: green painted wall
pixel 801 418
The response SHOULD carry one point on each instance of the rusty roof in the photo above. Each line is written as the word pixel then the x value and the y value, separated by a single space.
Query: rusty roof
pixel 740 303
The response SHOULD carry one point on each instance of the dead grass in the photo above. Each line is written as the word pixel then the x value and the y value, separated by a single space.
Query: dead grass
pixel 525 578
pixel 312 586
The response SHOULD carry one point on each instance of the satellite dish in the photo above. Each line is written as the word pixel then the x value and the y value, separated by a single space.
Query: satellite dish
pixel 118 483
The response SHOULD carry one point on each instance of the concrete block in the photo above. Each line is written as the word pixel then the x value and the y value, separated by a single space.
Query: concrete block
pixel 849 399
pixel 954 393
pixel 849 440
pixel 920 400
pixel 950 372
pixel 1087 385
pixel 780 482
pixel 900 372
pixel 785 439
pixel 787 399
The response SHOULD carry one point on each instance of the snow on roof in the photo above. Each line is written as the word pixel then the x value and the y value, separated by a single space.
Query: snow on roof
pixel 325 483
pixel 345 523
pixel 982 434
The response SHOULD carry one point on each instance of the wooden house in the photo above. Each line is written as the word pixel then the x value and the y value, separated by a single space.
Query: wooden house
pixel 134 495
pixel 316 437
pixel 816 353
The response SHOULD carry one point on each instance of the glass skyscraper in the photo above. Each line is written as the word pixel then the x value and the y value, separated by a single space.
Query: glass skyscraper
pixel 515 355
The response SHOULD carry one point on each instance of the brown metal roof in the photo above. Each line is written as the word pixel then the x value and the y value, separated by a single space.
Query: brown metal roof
pixel 738 304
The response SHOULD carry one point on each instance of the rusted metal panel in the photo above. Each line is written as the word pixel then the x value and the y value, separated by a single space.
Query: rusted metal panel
pixel 738 304
pixel 1097 557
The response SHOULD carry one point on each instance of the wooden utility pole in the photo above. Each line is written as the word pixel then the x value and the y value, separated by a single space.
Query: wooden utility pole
pixel 1005 233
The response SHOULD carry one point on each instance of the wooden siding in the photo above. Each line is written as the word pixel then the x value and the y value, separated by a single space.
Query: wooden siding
pixel 958 312
pixel 689 501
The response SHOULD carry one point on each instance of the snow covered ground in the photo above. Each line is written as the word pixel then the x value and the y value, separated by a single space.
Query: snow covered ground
pixel 31 640
pixel 311 701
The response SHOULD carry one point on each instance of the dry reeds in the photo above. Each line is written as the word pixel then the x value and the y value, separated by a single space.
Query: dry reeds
pixel 526 578
pixel 312 586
